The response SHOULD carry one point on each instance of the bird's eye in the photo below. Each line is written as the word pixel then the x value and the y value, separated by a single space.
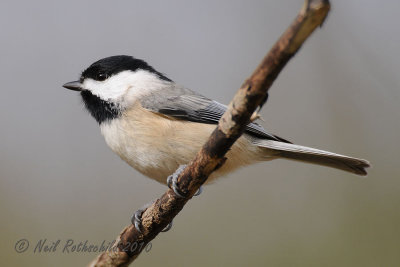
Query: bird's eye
pixel 101 76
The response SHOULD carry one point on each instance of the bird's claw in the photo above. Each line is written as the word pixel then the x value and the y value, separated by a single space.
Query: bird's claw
pixel 168 227
pixel 136 219
pixel 172 180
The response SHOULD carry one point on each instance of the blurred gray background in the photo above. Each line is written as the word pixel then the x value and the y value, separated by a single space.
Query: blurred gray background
pixel 59 180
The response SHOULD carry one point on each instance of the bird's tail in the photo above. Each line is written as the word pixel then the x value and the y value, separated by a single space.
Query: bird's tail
pixel 314 156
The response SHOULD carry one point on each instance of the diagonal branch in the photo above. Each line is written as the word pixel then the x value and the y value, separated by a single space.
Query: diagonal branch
pixel 251 95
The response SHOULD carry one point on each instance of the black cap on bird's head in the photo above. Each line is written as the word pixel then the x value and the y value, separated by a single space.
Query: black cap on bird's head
pixel 109 66
pixel 103 84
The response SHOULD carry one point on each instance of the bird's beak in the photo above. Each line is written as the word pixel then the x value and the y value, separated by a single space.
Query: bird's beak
pixel 75 86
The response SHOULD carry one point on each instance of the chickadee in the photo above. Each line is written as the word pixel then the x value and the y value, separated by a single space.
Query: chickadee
pixel 156 125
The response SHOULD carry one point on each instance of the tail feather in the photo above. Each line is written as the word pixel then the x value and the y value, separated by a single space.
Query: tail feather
pixel 315 156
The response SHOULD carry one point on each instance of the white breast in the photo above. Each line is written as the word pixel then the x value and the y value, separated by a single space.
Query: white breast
pixel 156 145
pixel 150 143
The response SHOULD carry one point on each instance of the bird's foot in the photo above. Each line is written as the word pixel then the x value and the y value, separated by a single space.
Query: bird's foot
pixel 172 180
pixel 136 219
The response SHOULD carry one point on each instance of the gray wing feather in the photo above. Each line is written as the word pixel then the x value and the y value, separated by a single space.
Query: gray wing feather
pixel 182 103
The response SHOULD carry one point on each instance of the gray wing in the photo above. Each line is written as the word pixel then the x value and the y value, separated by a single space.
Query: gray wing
pixel 185 104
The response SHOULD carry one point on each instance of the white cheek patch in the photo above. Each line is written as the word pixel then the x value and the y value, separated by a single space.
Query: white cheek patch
pixel 125 87
pixel 112 88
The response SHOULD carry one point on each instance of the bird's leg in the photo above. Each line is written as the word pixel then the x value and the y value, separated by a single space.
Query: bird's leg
pixel 136 218
pixel 171 182
pixel 172 179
